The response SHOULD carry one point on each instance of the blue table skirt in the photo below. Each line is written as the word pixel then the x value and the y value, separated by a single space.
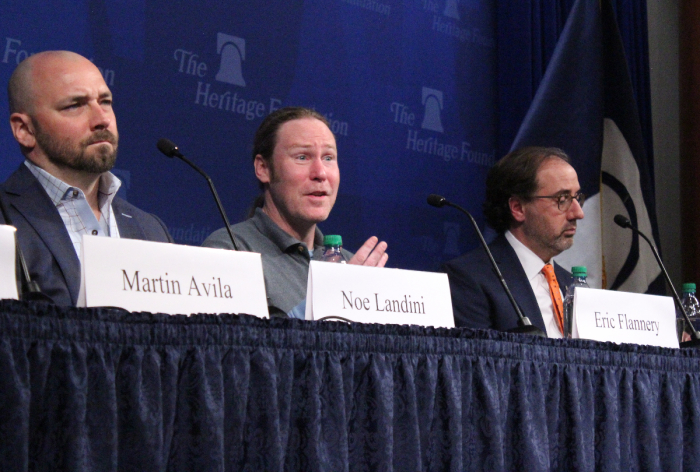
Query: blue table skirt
pixel 108 390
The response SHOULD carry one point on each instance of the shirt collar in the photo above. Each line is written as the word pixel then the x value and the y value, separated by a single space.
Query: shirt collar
pixel 109 185
pixel 283 240
pixel 58 190
pixel 531 262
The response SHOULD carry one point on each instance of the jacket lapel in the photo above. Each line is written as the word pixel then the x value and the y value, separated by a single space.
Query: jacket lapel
pixel 564 277
pixel 29 198
pixel 126 221
pixel 517 281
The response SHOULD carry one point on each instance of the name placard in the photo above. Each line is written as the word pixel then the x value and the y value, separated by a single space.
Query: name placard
pixel 170 278
pixel 8 265
pixel 378 295
pixel 621 317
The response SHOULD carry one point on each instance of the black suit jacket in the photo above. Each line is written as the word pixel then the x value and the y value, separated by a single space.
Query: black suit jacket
pixel 45 242
pixel 478 299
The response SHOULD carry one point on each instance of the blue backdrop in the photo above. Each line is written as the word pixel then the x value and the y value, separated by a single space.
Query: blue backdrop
pixel 423 96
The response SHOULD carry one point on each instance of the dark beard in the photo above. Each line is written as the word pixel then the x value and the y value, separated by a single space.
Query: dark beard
pixel 65 155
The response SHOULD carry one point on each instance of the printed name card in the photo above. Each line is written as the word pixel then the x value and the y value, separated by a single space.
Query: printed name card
pixel 8 265
pixel 170 278
pixel 378 295
pixel 621 317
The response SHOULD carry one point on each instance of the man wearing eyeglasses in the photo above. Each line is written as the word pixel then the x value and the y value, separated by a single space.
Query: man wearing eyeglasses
pixel 533 201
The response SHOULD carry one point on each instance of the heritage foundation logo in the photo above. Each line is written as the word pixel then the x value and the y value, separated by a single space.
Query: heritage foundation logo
pixel 432 101
pixel 232 52
pixel 446 21
pixel 219 96
pixel 371 5
pixel 451 10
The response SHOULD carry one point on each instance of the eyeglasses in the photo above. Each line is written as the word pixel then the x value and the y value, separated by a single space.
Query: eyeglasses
pixel 564 200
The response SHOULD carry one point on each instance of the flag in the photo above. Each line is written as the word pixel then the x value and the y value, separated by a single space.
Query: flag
pixel 585 106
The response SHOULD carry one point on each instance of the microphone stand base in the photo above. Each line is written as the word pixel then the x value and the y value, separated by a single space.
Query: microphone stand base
pixel 530 329
pixel 693 343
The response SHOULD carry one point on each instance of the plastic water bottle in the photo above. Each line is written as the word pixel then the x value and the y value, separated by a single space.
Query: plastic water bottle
pixel 692 307
pixel 333 244
pixel 580 273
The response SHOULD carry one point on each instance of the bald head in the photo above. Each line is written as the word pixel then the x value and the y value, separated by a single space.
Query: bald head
pixel 62 116
pixel 22 87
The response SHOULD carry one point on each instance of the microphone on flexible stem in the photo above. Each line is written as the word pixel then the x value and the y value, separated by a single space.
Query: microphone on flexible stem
pixel 29 289
pixel 623 222
pixel 169 148
pixel 525 325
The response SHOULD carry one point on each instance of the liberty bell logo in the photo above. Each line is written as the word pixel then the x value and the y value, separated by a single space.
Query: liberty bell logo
pixel 232 52
pixel 432 100
pixel 451 9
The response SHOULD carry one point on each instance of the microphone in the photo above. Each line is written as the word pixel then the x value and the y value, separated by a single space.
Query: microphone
pixel 525 325
pixel 29 289
pixel 438 201
pixel 624 222
pixel 169 148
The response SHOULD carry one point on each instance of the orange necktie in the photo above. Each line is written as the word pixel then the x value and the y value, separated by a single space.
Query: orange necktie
pixel 554 292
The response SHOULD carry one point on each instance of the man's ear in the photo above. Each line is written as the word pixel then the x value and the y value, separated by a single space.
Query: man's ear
pixel 23 129
pixel 262 169
pixel 516 209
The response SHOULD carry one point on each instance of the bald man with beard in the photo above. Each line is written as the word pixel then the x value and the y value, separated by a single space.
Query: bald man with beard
pixel 62 117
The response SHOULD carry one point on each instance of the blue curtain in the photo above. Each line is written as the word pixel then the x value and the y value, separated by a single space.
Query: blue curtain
pixel 527 33
pixel 471 67
pixel 88 390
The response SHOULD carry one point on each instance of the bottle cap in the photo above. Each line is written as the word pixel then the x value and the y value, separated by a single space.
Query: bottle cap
pixel 332 240
pixel 579 271
pixel 689 287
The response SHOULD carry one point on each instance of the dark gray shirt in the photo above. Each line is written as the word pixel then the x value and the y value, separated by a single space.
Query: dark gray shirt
pixel 285 259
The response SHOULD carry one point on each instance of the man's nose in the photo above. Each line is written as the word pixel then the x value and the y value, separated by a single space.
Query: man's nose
pixel 100 118
pixel 318 169
pixel 576 210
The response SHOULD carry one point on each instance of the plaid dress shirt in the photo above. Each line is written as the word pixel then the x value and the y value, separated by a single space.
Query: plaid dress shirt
pixel 74 209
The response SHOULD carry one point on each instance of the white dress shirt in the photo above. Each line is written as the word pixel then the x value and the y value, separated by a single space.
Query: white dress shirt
pixel 532 265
